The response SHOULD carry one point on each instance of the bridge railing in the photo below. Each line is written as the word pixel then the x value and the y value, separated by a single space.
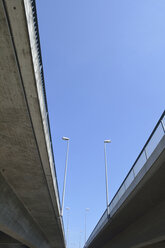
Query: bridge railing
pixel 39 57
pixel 154 139
pixel 32 23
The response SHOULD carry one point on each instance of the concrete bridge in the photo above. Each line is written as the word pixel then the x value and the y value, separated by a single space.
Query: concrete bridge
pixel 29 198
pixel 136 216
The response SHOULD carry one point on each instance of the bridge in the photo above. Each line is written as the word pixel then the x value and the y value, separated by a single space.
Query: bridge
pixel 135 217
pixel 29 198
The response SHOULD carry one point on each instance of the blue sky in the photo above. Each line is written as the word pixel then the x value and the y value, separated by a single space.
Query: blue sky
pixel 104 66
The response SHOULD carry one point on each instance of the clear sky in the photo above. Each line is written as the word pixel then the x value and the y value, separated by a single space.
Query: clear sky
pixel 104 66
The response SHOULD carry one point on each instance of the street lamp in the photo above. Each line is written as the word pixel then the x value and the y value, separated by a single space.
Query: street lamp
pixel 80 240
pixel 86 210
pixel 67 235
pixel 106 176
pixel 63 194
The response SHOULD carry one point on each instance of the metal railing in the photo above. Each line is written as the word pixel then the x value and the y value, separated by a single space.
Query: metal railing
pixel 35 21
pixel 154 139
pixel 32 24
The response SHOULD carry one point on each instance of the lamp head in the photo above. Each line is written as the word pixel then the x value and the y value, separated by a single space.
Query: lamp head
pixel 65 138
pixel 107 141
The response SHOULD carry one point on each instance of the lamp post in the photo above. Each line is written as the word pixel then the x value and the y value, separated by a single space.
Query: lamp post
pixel 86 210
pixel 80 240
pixel 67 234
pixel 106 176
pixel 63 194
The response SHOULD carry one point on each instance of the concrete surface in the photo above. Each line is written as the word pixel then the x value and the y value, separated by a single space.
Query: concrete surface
pixel 25 149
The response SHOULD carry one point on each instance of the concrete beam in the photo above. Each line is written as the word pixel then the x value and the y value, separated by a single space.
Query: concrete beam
pixel 16 222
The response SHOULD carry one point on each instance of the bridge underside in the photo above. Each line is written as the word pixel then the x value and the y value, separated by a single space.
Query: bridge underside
pixel 29 204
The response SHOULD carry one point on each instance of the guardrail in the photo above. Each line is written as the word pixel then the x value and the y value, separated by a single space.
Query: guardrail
pixel 154 139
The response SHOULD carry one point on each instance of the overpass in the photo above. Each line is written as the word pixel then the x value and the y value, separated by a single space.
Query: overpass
pixel 136 215
pixel 29 196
